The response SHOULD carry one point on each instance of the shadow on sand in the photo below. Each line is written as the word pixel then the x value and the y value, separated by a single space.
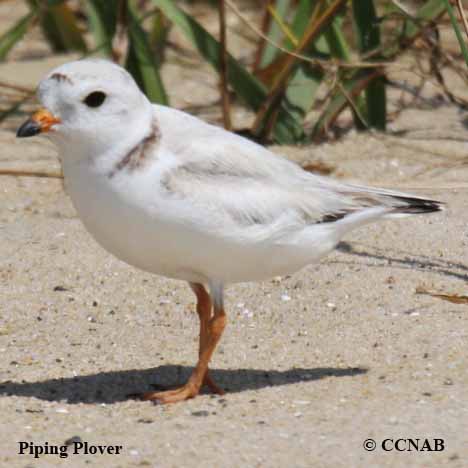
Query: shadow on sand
pixel 404 260
pixel 113 387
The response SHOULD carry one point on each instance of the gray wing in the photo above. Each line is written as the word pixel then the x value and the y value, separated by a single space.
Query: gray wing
pixel 242 190
pixel 234 182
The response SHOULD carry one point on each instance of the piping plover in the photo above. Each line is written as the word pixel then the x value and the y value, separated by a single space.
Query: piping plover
pixel 173 195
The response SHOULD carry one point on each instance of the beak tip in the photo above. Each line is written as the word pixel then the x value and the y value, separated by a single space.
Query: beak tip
pixel 28 129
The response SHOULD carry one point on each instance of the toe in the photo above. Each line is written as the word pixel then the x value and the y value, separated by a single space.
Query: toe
pixel 211 384
pixel 171 396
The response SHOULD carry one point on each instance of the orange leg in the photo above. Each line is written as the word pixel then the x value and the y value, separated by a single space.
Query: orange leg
pixel 211 329
pixel 204 308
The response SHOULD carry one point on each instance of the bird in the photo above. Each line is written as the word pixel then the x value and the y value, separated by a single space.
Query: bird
pixel 172 195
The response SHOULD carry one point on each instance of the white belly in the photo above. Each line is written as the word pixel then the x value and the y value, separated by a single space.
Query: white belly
pixel 123 222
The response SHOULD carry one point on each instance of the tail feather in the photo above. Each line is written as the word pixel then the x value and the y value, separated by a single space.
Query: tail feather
pixel 414 205
pixel 361 197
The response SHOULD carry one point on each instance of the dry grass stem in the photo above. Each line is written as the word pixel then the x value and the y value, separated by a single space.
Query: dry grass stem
pixel 223 68
pixel 120 40
pixel 321 63
pixel 25 173
pixel 14 87
pixel 462 16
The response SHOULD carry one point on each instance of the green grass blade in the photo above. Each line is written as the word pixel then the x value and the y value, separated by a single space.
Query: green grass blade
pixel 246 86
pixel 59 26
pixel 140 61
pixel 302 90
pixel 358 80
pixel 158 34
pixel 456 28
pixel 411 29
pixel 302 16
pixel 304 84
pixel 102 17
pixel 368 37
pixel 353 86
pixel 339 48
pixel 305 80
pixel 243 83
pixel 275 32
pixel 14 34
pixel 267 112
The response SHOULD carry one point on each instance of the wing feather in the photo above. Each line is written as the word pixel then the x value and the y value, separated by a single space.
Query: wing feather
pixel 236 183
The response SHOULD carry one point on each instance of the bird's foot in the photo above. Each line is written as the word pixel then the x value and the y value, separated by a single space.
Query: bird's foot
pixel 189 390
pixel 172 396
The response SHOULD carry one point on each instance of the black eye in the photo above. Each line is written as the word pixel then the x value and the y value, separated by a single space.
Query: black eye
pixel 95 99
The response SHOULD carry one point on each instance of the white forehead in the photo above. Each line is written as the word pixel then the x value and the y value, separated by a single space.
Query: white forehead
pixel 82 76
pixel 92 70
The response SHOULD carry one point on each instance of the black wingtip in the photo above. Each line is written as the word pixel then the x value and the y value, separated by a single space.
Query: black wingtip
pixel 419 205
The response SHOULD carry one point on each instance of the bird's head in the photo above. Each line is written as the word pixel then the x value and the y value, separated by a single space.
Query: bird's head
pixel 88 104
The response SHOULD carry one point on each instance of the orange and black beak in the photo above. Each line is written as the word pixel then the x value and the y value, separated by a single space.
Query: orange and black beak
pixel 40 122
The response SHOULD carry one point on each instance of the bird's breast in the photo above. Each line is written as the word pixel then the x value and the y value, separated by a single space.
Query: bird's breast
pixel 124 216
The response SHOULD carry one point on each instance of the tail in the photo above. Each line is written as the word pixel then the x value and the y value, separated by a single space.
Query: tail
pixel 387 205
pixel 349 206
pixel 393 202
pixel 368 205
pixel 403 204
